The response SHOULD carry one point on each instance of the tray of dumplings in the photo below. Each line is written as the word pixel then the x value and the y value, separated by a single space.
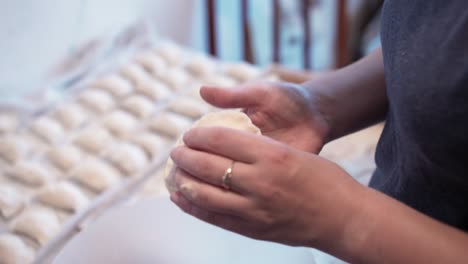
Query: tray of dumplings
pixel 101 143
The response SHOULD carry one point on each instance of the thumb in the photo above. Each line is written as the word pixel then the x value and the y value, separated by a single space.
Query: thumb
pixel 241 97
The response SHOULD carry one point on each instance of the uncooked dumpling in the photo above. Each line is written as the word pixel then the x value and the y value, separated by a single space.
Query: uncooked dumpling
pixel 96 175
pixel 150 143
pixel 71 115
pixel 171 53
pixel 37 223
pixel 93 139
pixel 48 129
pixel 242 71
pixel 120 123
pixel 188 107
pixel 230 118
pixel 219 81
pixel 154 89
pixel 97 100
pixel 65 157
pixel 31 172
pixel 201 65
pixel 14 251
pixel 138 105
pixel 152 63
pixel 11 200
pixel 13 148
pixel 176 78
pixel 8 122
pixel 63 195
pixel 135 73
pixel 114 84
pixel 130 159
pixel 169 124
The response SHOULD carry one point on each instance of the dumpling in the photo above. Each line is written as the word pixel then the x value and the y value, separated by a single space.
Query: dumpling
pixel 11 201
pixel 242 71
pixel 201 65
pixel 13 148
pixel 93 139
pixel 114 84
pixel 71 115
pixel 154 89
pixel 188 107
pixel 229 118
pixel 31 172
pixel 63 195
pixel 152 63
pixel 37 223
pixel 14 251
pixel 48 129
pixel 138 105
pixel 176 78
pixel 150 143
pixel 96 175
pixel 97 100
pixel 219 81
pixel 64 157
pixel 120 123
pixel 169 124
pixel 8 122
pixel 135 73
pixel 130 159
pixel 171 53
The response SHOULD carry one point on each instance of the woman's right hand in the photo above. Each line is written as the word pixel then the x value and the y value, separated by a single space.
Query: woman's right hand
pixel 283 111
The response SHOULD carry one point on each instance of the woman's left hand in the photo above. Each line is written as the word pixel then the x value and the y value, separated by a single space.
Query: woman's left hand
pixel 277 193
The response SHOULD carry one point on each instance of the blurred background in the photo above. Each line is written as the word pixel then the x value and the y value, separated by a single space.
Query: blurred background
pixel 314 35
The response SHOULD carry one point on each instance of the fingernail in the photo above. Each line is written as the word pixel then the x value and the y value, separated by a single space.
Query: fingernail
pixel 187 190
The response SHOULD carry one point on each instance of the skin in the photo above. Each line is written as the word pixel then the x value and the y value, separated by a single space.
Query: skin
pixel 283 192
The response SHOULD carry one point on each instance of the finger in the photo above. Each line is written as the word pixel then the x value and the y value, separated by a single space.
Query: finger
pixel 238 97
pixel 210 168
pixel 210 197
pixel 228 222
pixel 230 143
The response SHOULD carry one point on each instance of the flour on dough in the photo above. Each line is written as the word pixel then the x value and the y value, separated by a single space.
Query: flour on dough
pixel 96 175
pixel 114 84
pixel 63 195
pixel 138 105
pixel 31 172
pixel 14 251
pixel 13 148
pixel 120 123
pixel 230 119
pixel 37 223
pixel 71 115
pixel 129 158
pixel 97 100
pixel 48 129
pixel 154 89
pixel 11 200
pixel 169 124
pixel 188 107
pixel 64 157
pixel 93 139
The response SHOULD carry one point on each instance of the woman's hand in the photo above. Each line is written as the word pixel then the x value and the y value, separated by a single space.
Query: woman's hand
pixel 283 111
pixel 277 193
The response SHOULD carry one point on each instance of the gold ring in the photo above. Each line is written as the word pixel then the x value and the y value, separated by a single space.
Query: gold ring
pixel 226 180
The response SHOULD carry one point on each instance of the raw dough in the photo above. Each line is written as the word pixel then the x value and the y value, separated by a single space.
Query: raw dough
pixel 188 107
pixel 150 143
pixel 13 148
pixel 152 63
pixel 65 157
pixel 37 223
pixel 135 73
pixel 138 105
pixel 96 175
pixel 8 122
pixel 71 115
pixel 120 123
pixel 31 172
pixel 14 251
pixel 114 84
pixel 130 159
pixel 154 89
pixel 169 124
pixel 48 129
pixel 11 200
pixel 93 139
pixel 63 195
pixel 176 78
pixel 97 100
pixel 242 71
pixel 229 118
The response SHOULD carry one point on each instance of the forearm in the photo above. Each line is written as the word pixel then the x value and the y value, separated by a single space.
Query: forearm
pixel 384 230
pixel 351 98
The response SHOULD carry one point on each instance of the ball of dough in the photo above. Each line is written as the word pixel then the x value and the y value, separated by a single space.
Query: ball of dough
pixel 230 119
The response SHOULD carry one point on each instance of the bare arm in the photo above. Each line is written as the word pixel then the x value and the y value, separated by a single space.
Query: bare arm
pixel 351 98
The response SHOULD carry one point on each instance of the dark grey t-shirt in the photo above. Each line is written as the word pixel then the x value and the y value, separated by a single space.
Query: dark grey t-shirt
pixel 422 156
